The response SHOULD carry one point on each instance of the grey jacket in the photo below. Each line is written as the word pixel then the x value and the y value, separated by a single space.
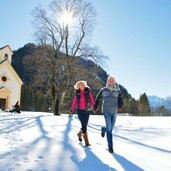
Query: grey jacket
pixel 112 99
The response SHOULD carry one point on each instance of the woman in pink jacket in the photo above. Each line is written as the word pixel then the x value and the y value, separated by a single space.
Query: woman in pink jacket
pixel 84 102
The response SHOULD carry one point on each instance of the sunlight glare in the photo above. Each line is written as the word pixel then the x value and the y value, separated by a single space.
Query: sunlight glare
pixel 66 18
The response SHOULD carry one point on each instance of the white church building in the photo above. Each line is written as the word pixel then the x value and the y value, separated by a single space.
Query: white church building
pixel 10 82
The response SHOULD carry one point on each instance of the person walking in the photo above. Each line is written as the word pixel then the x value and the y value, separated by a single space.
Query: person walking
pixel 84 101
pixel 112 102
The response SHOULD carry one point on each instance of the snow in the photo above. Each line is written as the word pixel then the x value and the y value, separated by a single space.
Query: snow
pixel 37 141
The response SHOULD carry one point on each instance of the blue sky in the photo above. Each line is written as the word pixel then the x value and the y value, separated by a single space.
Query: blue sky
pixel 134 34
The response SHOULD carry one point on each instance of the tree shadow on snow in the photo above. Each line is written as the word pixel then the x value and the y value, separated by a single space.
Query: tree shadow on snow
pixel 142 144
pixel 126 164
pixel 20 154
pixel 91 162
pixel 67 147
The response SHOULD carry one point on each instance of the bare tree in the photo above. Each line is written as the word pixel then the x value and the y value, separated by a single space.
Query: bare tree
pixel 64 30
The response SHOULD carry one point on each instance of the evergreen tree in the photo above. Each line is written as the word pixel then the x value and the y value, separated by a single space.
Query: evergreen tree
pixel 161 111
pixel 134 107
pixel 144 106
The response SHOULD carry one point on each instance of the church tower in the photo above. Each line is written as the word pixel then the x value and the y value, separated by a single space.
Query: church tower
pixel 10 82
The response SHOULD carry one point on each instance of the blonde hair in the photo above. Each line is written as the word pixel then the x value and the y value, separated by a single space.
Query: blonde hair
pixel 77 85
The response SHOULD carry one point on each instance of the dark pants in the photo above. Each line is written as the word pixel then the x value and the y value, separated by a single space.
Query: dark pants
pixel 83 117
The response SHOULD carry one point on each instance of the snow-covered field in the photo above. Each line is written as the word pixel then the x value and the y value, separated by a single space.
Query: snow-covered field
pixel 34 141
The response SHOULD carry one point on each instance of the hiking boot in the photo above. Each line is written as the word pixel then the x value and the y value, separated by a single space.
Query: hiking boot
pixel 86 140
pixel 79 136
pixel 111 150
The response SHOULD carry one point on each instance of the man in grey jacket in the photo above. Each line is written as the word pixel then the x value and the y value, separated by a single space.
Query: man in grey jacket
pixel 111 104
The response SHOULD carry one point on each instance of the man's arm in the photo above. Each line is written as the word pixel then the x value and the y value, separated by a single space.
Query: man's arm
pixel 120 100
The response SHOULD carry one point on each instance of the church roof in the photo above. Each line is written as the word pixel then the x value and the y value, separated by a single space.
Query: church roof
pixel 5 47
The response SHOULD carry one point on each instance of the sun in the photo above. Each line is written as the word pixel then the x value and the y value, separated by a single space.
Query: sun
pixel 66 18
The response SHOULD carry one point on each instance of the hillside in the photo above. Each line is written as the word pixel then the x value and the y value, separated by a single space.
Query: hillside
pixel 36 74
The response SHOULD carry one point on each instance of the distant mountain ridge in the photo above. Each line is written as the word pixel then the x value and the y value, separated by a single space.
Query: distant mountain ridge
pixel 156 102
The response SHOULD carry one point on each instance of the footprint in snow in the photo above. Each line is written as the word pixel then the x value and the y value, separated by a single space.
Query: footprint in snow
pixel 26 160
pixel 40 157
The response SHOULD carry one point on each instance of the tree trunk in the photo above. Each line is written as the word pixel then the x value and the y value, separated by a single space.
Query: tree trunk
pixel 56 107
pixel 62 99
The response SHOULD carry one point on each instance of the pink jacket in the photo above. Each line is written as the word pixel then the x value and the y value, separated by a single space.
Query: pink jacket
pixel 82 104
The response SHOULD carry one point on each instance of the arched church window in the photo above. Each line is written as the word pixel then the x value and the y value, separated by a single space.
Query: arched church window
pixel 6 56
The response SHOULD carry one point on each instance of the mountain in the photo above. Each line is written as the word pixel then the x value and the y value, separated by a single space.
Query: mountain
pixel 156 102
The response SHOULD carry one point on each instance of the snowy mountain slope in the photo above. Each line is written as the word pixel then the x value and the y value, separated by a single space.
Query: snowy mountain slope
pixel 43 142
pixel 156 102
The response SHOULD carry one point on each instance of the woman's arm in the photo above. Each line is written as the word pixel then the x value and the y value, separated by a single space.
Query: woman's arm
pixel 91 99
pixel 74 103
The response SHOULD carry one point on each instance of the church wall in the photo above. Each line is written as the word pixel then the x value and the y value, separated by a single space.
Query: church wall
pixel 12 84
